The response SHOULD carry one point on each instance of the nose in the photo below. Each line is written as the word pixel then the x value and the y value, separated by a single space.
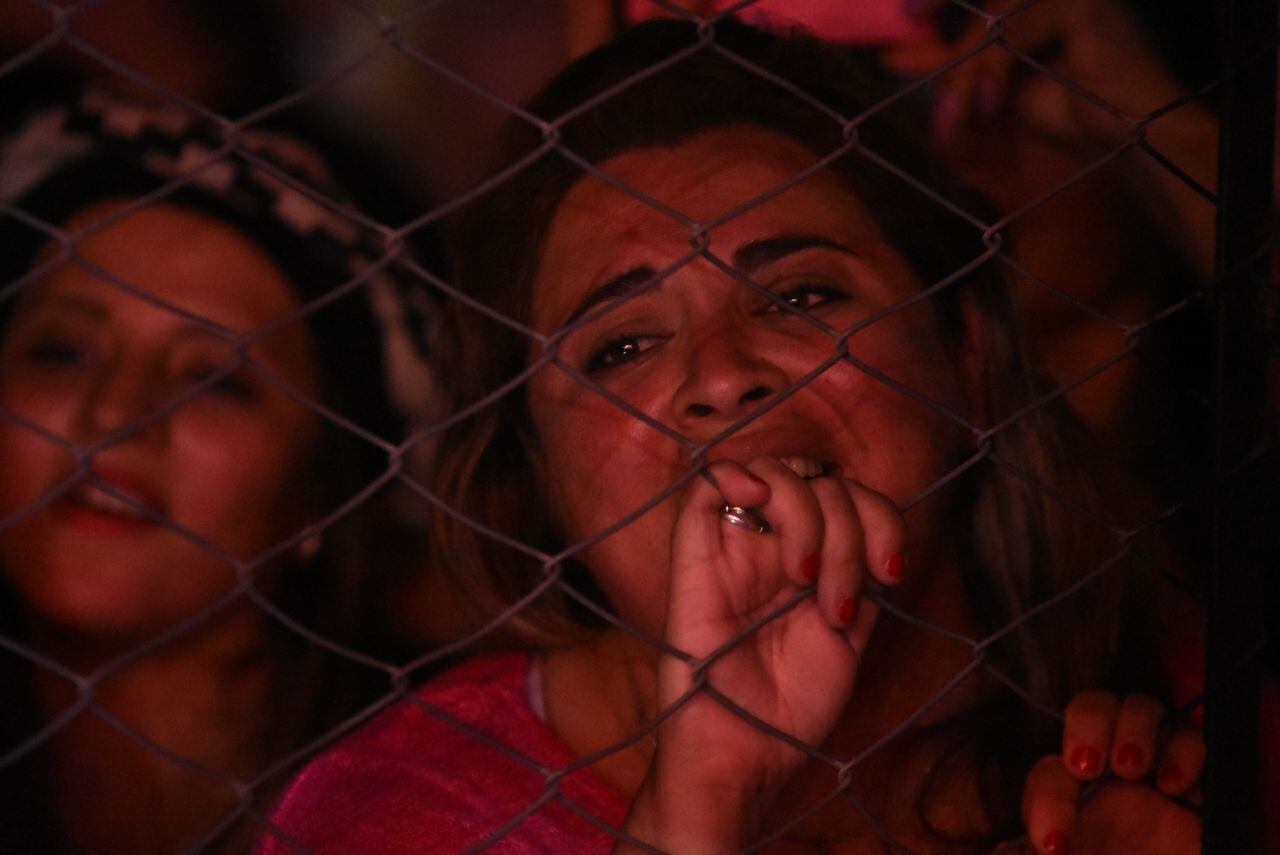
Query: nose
pixel 120 395
pixel 726 376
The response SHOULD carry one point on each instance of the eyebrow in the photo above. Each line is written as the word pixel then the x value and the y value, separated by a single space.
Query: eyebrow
pixel 615 288
pixel 747 259
pixel 66 303
pixel 750 257
pixel 85 307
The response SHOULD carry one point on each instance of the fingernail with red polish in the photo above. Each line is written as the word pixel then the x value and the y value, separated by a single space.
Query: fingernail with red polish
pixel 1057 843
pixel 1131 756
pixel 1170 776
pixel 895 565
pixel 810 567
pixel 1086 760
pixel 846 610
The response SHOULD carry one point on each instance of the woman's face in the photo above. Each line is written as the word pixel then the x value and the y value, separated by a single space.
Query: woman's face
pixel 83 360
pixel 700 351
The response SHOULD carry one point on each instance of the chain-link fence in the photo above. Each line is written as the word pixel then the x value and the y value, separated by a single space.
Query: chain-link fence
pixel 275 454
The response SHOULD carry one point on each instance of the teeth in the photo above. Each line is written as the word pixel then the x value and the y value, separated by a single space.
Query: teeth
pixel 806 467
pixel 100 500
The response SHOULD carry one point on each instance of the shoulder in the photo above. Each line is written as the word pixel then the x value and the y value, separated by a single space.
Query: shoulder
pixel 446 768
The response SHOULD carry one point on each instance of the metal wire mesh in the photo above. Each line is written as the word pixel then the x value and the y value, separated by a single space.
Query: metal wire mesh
pixel 245 799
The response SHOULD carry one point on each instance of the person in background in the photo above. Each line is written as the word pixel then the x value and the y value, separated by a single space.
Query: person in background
pixel 205 358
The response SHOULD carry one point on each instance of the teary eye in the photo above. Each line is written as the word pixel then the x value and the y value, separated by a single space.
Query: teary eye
pixel 236 385
pixel 809 295
pixel 55 351
pixel 618 351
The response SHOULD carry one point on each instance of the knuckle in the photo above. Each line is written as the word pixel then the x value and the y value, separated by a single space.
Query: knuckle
pixel 873 498
pixel 827 490
pixel 1093 702
pixel 722 466
pixel 852 484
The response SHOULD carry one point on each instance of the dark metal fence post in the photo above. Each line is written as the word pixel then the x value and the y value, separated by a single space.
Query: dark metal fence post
pixel 1232 809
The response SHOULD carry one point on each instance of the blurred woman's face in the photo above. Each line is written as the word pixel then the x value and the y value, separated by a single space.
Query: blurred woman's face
pixel 84 361
pixel 701 351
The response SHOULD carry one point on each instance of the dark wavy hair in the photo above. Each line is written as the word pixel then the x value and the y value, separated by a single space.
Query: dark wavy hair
pixel 665 82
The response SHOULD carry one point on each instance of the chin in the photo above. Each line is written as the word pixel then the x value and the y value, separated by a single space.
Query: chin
pixel 99 602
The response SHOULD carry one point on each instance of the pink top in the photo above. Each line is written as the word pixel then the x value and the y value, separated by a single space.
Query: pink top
pixel 411 782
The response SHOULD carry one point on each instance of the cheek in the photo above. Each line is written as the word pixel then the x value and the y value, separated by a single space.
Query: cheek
pixel 906 350
pixel 901 443
pixel 30 463
pixel 51 406
pixel 22 454
pixel 601 464
pixel 600 461
pixel 243 485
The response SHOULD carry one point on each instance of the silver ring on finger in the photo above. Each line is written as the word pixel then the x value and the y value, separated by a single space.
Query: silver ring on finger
pixel 745 518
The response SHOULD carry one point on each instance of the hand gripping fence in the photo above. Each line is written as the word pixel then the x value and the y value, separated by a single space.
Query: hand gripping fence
pixel 1237 449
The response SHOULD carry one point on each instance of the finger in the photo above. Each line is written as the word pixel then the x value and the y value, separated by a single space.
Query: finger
pixel 843 553
pixel 980 88
pixel 864 621
pixel 698 523
pixel 795 517
pixel 1137 729
pixel 974 88
pixel 993 73
pixel 1182 762
pixel 951 101
pixel 884 532
pixel 1087 732
pixel 1049 806
pixel 981 84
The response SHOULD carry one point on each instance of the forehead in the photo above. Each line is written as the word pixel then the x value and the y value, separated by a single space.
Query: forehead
pixel 182 257
pixel 705 177
pixel 599 227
